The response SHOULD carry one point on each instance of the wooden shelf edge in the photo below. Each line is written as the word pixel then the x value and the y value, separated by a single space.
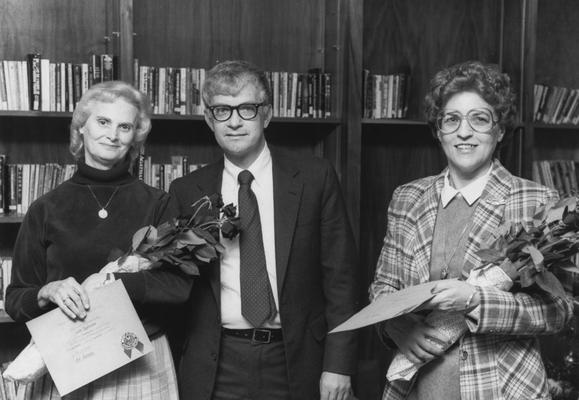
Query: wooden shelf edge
pixel 42 114
pixel 176 117
pixel 567 127
pixel 11 218
pixel 368 121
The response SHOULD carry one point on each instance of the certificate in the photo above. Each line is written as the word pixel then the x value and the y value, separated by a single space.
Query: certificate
pixel 388 306
pixel 78 352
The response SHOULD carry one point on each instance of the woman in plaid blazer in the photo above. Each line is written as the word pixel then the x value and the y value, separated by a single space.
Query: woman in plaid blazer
pixel 436 225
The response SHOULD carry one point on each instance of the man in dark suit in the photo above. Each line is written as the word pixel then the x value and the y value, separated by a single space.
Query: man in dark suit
pixel 258 319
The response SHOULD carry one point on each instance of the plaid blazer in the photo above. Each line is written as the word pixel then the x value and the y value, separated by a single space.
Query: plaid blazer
pixel 499 356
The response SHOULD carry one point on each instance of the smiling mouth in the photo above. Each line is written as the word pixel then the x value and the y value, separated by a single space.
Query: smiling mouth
pixel 465 146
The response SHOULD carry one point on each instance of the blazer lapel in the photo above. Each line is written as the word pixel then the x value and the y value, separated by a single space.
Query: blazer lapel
pixel 287 192
pixel 488 214
pixel 426 211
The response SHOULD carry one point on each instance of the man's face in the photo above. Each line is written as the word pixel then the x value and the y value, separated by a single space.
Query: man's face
pixel 241 140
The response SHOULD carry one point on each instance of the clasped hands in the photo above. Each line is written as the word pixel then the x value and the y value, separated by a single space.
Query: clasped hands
pixel 417 340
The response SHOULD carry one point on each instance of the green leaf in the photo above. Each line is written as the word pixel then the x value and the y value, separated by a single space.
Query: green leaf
pixel 206 252
pixel 142 235
pixel 549 283
pixel 490 255
pixel 536 256
pixel 189 237
pixel 189 267
pixel 527 276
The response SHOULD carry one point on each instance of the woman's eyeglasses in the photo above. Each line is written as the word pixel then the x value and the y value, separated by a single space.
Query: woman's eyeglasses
pixel 246 111
pixel 480 120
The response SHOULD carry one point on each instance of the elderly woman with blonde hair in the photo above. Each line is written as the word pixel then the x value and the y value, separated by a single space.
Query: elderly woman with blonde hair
pixel 67 236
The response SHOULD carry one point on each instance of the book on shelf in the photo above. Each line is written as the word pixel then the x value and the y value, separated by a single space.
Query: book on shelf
pixel 39 84
pixel 560 175
pixel 555 105
pixel 384 96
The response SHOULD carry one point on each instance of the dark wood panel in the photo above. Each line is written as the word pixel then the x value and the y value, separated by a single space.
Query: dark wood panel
pixel 390 158
pixel 556 144
pixel 195 139
pixel 275 34
pixel 557 50
pixel 423 36
pixel 62 30
pixel 35 140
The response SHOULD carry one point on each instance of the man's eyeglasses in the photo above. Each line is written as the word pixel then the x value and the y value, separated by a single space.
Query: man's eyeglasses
pixel 481 120
pixel 246 111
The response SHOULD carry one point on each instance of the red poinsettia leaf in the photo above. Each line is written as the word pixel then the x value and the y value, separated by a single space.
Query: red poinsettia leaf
pixel 549 283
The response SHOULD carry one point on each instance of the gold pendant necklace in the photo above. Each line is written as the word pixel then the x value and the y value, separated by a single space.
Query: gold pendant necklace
pixel 103 213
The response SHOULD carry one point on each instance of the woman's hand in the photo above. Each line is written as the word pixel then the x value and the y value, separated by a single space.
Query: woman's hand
pixel 453 295
pixel 68 295
pixel 418 341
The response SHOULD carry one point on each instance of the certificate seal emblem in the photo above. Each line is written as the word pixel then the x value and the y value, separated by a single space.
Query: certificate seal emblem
pixel 130 341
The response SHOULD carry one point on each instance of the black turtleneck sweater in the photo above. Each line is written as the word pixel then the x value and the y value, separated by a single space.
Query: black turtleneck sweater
pixel 62 236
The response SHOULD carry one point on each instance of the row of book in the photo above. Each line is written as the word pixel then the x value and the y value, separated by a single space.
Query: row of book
pixel 560 175
pixel 160 175
pixel 385 96
pixel 39 84
pixel 177 90
pixel 21 184
pixel 555 105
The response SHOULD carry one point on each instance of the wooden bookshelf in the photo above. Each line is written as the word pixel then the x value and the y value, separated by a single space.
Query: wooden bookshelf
pixel 342 37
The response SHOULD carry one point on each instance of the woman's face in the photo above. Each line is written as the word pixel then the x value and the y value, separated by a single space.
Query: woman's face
pixel 108 133
pixel 469 153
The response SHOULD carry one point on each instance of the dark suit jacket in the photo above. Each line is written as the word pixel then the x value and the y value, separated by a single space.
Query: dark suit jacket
pixel 316 272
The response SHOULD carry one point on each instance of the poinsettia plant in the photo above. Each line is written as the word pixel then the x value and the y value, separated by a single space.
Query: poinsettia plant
pixel 534 255
pixel 186 241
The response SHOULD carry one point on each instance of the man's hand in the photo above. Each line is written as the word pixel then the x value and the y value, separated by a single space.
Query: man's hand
pixel 335 386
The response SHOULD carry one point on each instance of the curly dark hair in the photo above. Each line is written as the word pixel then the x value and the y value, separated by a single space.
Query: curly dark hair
pixel 486 80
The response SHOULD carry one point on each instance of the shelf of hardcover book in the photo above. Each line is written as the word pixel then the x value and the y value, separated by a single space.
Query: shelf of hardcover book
pixel 42 114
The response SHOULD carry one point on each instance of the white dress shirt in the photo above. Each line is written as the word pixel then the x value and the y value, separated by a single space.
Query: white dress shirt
pixel 262 186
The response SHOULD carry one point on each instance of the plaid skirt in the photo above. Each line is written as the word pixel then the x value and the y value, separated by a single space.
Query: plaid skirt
pixel 151 377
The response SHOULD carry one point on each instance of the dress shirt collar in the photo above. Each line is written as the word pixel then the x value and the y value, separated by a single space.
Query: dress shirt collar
pixel 471 192
pixel 258 168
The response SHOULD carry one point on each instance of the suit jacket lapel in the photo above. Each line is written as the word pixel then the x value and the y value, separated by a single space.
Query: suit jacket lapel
pixel 287 192
pixel 209 184
pixel 426 209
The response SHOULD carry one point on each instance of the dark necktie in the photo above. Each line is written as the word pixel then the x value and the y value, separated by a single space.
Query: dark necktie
pixel 257 302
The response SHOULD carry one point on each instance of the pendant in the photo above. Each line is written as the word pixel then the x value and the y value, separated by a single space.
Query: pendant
pixel 103 213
